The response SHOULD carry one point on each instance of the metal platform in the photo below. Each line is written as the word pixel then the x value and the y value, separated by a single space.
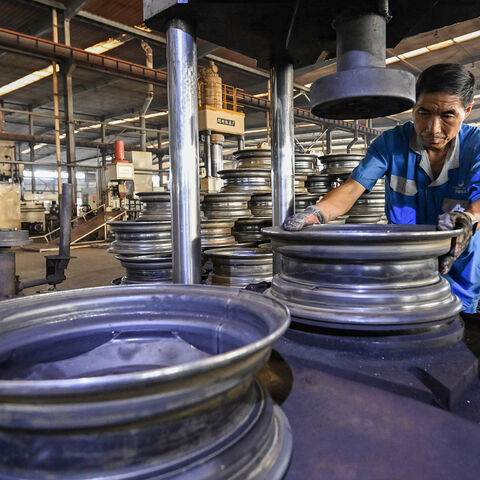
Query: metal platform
pixel 345 429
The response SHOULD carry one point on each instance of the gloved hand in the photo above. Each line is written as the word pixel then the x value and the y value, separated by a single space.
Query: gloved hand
pixel 309 216
pixel 452 221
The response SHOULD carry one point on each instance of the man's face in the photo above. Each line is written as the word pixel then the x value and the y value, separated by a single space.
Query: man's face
pixel 438 118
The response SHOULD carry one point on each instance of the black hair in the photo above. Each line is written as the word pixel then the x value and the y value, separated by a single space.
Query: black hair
pixel 451 78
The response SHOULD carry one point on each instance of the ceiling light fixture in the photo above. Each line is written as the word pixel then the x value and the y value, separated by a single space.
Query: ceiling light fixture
pixel 433 47
pixel 33 77
pixel 27 80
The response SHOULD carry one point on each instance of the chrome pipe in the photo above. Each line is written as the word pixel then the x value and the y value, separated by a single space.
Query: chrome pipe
pixel 207 149
pixel 283 146
pixel 184 162
pixel 241 142
pixel 217 158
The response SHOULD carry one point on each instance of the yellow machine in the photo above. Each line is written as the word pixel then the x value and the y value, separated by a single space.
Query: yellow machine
pixel 218 115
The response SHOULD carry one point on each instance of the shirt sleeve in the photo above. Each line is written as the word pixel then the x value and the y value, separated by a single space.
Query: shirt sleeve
pixel 473 186
pixel 374 165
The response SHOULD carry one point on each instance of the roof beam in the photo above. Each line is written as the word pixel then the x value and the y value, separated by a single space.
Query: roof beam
pixel 109 147
pixel 157 39
pixel 26 44
pixel 74 7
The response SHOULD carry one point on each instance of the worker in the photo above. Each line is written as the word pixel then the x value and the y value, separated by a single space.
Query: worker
pixel 432 175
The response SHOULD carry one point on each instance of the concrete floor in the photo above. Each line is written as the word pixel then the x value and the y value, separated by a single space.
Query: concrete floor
pixel 91 267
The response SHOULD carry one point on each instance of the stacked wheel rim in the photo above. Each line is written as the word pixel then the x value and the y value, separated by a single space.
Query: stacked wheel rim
pixel 365 276
pixel 239 267
pixel 156 206
pixel 226 205
pixel 250 229
pixel 151 381
pixel 144 249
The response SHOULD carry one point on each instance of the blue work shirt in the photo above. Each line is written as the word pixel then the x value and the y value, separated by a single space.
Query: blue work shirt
pixel 414 196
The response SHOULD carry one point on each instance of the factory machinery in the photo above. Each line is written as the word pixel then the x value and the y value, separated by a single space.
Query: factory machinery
pixel 351 364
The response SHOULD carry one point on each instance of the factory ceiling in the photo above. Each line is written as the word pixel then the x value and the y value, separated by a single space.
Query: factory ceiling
pixel 117 27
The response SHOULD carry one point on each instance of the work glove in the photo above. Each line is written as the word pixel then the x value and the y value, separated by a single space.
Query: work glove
pixel 452 221
pixel 310 216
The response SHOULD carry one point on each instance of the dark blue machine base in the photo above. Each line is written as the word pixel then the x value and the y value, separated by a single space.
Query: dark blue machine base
pixel 346 429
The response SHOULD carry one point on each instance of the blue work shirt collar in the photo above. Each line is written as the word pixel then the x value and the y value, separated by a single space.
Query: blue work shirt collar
pixel 451 161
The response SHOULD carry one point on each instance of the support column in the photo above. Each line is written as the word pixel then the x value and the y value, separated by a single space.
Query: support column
pixel 217 153
pixel 207 152
pixel 328 139
pixel 241 142
pixel 283 146
pixel 2 117
pixel 184 162
pixel 56 106
pixel 31 131
pixel 67 69
pixel 103 134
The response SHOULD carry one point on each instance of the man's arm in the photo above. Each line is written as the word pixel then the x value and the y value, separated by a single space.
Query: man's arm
pixel 335 203
pixel 341 199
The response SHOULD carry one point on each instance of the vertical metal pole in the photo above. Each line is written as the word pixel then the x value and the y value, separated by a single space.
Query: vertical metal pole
pixel 143 133
pixel 268 115
pixel 217 158
pixel 368 138
pixel 65 220
pixel 66 31
pixel 31 132
pixel 329 142
pixel 283 146
pixel 56 107
pixel 67 69
pixel 207 151
pixel 160 158
pixel 184 162
pixel 241 142
pixel 103 134
pixel 148 100
pixel 2 117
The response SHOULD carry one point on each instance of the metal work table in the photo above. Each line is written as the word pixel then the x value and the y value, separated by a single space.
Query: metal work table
pixel 347 430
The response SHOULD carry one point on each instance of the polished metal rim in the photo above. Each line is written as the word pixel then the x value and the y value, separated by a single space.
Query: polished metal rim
pixel 249 229
pixel 135 238
pixel 306 199
pixel 226 197
pixel 14 238
pixel 247 172
pixel 368 218
pixel 239 267
pixel 252 153
pixel 384 233
pixel 305 163
pixel 230 255
pixel 140 227
pixel 146 268
pixel 151 380
pixel 30 321
pixel 364 276
pixel 161 197
pixel 217 233
pixel 217 206
pixel 156 206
